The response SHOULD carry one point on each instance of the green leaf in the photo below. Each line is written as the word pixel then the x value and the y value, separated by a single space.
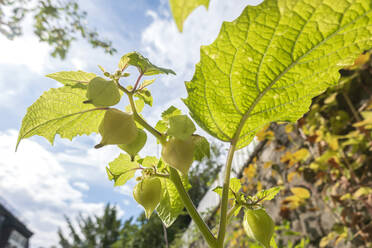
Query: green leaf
pixel 72 77
pixel 273 243
pixel 269 63
pixel 161 126
pixel 146 83
pixel 237 210
pixel 101 68
pixel 143 65
pixel 181 127
pixel 202 148
pixel 122 169
pixel 149 161
pixel 133 148
pixel 181 9
pixel 218 190
pixel 235 186
pixel 171 111
pixel 268 194
pixel 171 206
pixel 109 174
pixel 145 95
pixel 61 111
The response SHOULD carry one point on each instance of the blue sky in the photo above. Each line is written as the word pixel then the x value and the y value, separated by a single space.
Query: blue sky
pixel 45 182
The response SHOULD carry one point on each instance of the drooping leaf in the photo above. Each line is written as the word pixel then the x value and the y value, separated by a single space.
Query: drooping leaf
pixel 72 77
pixel 202 147
pixel 143 65
pixel 181 127
pixel 272 60
pixel 122 169
pixel 61 111
pixel 181 9
pixel 171 206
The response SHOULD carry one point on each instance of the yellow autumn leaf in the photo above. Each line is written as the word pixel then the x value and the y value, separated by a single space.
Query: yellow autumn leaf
pixel 301 154
pixel 250 171
pixel 362 191
pixel 300 192
pixel 291 176
pixel 267 164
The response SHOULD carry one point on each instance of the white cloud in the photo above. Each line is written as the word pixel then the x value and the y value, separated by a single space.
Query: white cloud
pixel 180 51
pixel 81 185
pixel 34 182
pixel 26 51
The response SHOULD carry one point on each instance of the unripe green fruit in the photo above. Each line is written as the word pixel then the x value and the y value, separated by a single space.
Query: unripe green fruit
pixel 103 93
pixel 134 147
pixel 117 128
pixel 179 153
pixel 148 193
pixel 259 226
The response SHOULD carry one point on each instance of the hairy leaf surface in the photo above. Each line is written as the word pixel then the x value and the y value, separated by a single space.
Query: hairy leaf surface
pixel 61 111
pixel 181 9
pixel 170 205
pixel 272 60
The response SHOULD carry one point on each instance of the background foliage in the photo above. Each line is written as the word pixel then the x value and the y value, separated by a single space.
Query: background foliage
pixel 57 23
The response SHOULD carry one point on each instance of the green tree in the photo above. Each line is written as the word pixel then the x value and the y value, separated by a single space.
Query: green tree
pixel 93 231
pixel 57 23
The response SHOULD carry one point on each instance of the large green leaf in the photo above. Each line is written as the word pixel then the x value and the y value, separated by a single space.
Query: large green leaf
pixel 170 206
pixel 181 9
pixel 72 77
pixel 272 60
pixel 61 111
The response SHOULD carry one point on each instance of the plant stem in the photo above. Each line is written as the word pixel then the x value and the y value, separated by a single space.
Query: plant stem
pixel 161 175
pixel 351 106
pixel 231 212
pixel 137 82
pixel 161 137
pixel 211 240
pixel 225 194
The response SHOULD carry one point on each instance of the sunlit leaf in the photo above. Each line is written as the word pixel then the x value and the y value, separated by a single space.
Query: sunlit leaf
pixel 181 9
pixel 122 169
pixel 61 111
pixel 72 77
pixel 272 60
pixel 143 65
pixel 170 206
